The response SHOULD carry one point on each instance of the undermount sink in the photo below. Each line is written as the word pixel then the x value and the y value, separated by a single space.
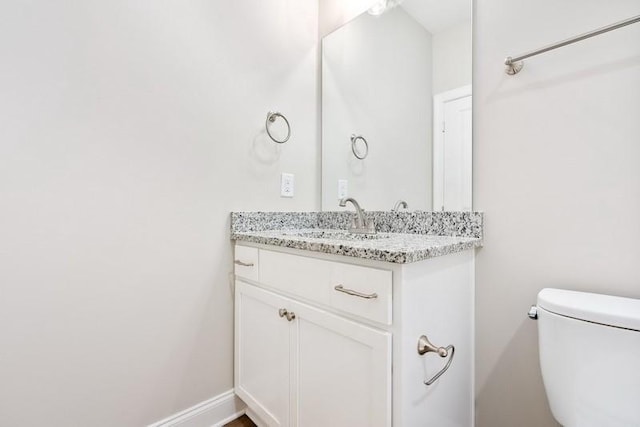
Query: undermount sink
pixel 336 235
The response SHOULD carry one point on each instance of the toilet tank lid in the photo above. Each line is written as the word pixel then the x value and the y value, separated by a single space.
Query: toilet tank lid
pixel 604 309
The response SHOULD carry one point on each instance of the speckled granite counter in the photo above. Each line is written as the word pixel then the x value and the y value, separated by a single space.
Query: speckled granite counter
pixel 403 237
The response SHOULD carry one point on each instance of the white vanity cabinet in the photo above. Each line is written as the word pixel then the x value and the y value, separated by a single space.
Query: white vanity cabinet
pixel 324 340
pixel 299 365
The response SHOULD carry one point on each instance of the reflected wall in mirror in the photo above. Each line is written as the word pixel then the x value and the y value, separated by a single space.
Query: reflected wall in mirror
pixel 396 90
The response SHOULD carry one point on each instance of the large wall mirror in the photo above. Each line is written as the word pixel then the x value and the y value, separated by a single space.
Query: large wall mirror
pixel 396 107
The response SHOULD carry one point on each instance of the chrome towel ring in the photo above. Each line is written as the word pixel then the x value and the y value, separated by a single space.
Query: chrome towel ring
pixel 425 346
pixel 354 140
pixel 271 117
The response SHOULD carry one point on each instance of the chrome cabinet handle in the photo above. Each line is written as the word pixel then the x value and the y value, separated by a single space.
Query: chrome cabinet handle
pixel 290 315
pixel 342 289
pixel 243 264
pixel 425 346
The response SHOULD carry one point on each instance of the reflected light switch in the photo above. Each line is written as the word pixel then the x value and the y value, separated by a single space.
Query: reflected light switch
pixel 343 188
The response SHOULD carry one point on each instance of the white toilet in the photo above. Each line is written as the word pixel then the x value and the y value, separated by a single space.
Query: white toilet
pixel 590 357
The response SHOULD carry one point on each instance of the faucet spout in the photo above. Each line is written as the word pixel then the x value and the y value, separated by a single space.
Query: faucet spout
pixel 360 223
pixel 400 204
pixel 359 220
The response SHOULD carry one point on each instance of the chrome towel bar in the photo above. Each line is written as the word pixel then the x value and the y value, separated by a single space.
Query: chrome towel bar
pixel 514 65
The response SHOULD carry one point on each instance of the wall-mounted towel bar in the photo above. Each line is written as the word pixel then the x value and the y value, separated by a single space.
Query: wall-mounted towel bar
pixel 514 65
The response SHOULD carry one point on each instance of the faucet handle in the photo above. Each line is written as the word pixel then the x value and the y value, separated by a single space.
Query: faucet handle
pixel 370 225
pixel 354 222
pixel 367 227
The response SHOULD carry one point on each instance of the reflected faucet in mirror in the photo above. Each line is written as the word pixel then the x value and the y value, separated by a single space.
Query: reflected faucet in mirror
pixel 360 224
pixel 400 204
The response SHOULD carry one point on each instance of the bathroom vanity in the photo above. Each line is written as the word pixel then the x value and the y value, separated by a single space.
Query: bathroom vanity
pixel 327 324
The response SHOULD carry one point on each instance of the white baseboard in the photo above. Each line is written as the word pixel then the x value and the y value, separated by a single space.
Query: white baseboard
pixel 214 412
pixel 255 418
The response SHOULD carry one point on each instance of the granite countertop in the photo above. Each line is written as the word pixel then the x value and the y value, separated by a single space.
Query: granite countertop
pixel 390 247
pixel 402 237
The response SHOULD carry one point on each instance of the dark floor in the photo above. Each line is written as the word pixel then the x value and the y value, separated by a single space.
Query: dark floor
pixel 243 421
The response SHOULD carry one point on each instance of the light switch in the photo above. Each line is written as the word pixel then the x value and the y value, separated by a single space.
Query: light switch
pixel 286 185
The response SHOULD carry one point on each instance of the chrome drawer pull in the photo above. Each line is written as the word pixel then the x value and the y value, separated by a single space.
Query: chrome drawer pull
pixel 243 264
pixel 342 289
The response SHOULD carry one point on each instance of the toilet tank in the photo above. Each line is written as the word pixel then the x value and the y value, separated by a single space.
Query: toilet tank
pixel 590 357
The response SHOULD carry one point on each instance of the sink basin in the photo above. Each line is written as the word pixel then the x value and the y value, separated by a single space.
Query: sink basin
pixel 336 235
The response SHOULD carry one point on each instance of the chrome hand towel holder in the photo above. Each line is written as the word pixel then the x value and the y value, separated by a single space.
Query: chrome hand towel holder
pixel 354 140
pixel 425 346
pixel 271 117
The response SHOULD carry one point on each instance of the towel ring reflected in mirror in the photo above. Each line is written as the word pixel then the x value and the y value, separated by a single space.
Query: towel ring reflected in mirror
pixel 359 153
pixel 271 118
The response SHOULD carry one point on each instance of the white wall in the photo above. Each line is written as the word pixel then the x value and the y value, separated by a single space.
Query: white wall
pixel 128 131
pixel 335 13
pixel 556 153
pixel 376 82
pixel 452 58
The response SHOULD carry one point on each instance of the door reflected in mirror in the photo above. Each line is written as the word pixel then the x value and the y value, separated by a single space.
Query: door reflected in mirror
pixel 401 81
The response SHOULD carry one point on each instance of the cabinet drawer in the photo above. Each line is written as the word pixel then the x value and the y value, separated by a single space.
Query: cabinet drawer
pixel 246 262
pixel 361 291
pixel 297 275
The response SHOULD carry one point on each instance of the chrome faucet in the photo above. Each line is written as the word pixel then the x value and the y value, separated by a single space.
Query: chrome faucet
pixel 360 223
pixel 400 204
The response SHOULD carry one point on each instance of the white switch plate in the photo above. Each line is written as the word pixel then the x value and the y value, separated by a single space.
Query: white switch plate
pixel 286 185
pixel 343 188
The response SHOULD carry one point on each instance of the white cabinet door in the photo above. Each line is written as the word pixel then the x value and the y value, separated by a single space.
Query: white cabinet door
pixel 262 353
pixel 343 372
